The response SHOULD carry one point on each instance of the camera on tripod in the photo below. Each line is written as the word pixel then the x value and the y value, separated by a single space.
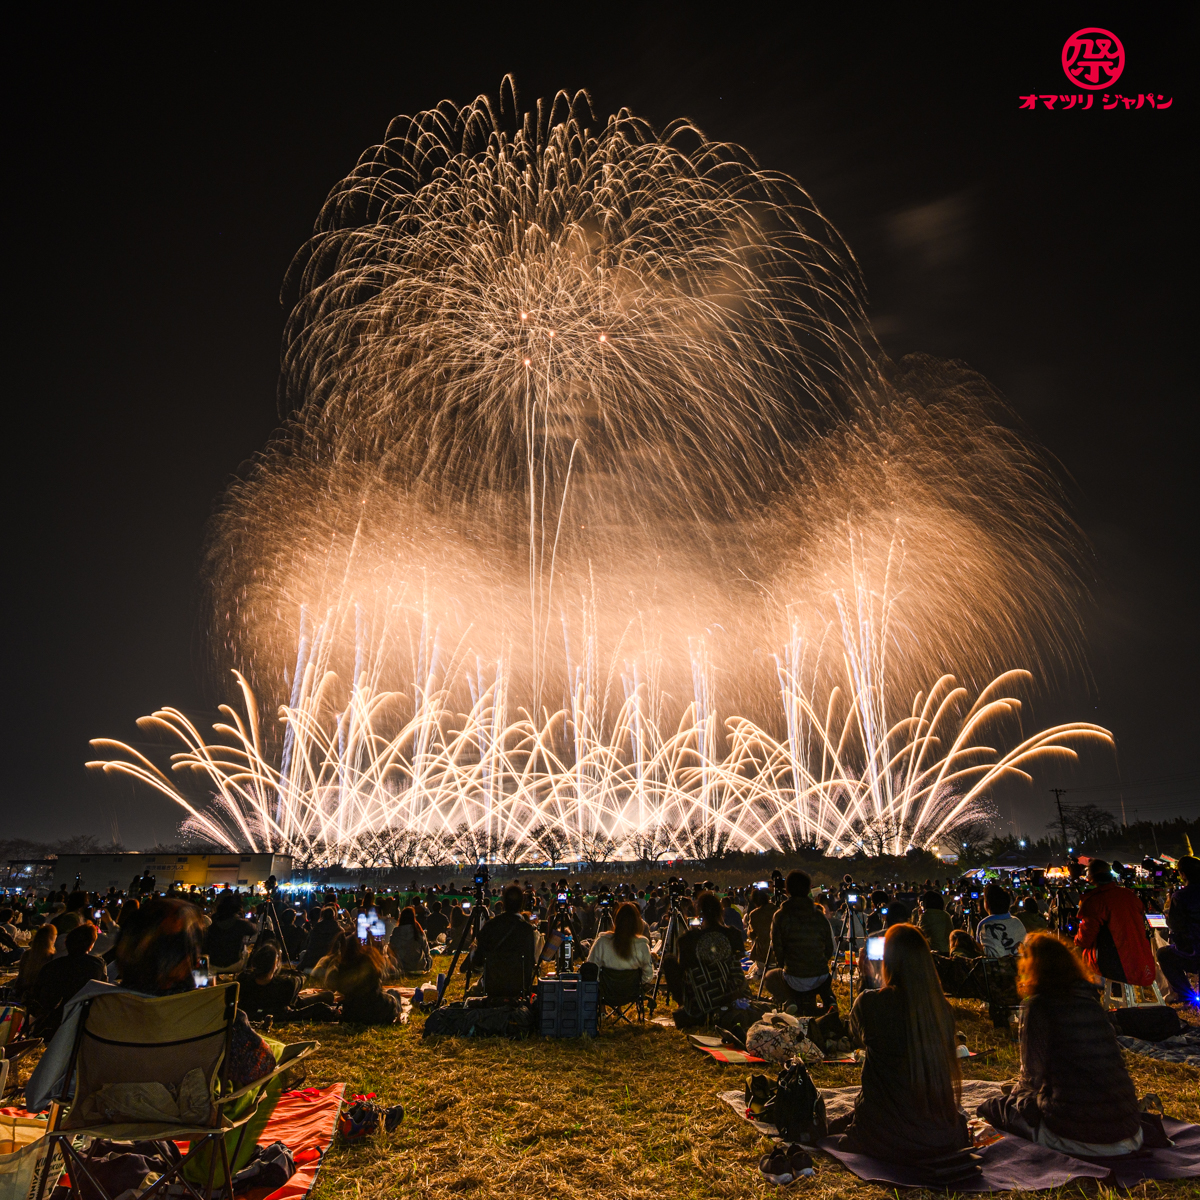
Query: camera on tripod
pixel 675 888
pixel 482 879
pixel 604 899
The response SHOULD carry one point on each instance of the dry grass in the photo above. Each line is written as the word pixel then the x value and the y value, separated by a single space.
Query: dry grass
pixel 632 1114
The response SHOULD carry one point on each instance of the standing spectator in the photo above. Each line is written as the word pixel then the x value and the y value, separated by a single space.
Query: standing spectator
pixel 1112 930
pixel 999 933
pixel 1182 957
pixel 935 922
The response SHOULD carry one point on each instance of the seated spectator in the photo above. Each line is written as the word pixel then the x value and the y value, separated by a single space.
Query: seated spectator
pixel 71 916
pixel 61 978
pixel 263 988
pixel 624 948
pixel 1112 930
pixel 707 974
pixel 1074 1094
pixel 226 936
pixel 438 922
pixel 877 912
pixel 359 980
pixel 908 1108
pixel 731 916
pixel 1181 957
pixel 325 932
pixel 935 922
pixel 10 952
pixel 34 960
pixel 999 933
pixel 408 945
pixel 505 949
pixel 292 931
pixel 157 953
pixel 803 942
pixel 1031 916
pixel 6 922
pixel 963 945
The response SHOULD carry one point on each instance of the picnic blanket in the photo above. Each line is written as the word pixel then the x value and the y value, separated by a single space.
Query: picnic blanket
pixel 717 1049
pixel 1009 1163
pixel 1183 1048
pixel 304 1120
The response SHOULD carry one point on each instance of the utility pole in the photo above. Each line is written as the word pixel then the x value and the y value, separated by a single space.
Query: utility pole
pixel 1059 793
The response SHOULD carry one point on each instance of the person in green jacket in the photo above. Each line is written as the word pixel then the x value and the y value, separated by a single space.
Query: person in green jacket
pixel 935 922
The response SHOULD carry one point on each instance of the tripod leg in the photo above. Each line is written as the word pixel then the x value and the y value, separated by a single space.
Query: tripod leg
pixel 666 946
pixel 762 979
pixel 468 930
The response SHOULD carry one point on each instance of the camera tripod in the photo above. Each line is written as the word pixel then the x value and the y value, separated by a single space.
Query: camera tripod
pixel 676 925
pixel 470 931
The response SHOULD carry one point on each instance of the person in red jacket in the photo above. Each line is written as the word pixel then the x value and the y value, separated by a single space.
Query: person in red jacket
pixel 1112 930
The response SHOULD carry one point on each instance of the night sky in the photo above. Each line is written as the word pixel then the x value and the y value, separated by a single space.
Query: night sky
pixel 162 176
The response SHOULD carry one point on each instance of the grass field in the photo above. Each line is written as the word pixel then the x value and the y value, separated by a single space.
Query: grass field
pixel 632 1114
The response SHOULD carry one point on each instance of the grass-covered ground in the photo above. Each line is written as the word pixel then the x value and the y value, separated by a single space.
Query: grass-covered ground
pixel 632 1114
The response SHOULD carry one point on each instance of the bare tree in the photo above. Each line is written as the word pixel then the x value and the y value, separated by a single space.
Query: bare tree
pixel 550 842
pixel 597 847
pixel 1084 822
pixel 650 844
pixel 709 843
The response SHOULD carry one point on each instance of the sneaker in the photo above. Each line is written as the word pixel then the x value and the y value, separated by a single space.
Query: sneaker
pixel 775 1167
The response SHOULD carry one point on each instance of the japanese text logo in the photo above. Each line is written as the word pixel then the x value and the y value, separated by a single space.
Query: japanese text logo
pixel 1093 58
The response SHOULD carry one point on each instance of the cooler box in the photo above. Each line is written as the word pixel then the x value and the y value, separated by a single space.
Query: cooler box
pixel 568 1006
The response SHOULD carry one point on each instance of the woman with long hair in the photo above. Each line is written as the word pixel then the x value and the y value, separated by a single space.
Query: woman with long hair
pixel 40 952
pixel 1074 1093
pixel 908 1108
pixel 624 947
pixel 409 946
pixel 359 976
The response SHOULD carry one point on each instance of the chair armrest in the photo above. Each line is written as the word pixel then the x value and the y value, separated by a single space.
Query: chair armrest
pixel 292 1054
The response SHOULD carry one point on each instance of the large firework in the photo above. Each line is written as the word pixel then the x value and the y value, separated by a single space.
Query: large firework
pixel 596 498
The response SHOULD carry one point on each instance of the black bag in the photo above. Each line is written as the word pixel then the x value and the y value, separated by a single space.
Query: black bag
pixel 494 1020
pixel 1150 1024
pixel 798 1110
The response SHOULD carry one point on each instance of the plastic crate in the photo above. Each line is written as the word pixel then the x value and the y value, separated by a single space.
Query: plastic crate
pixel 568 1006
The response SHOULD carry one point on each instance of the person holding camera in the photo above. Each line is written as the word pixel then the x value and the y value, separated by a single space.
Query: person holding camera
pixel 803 943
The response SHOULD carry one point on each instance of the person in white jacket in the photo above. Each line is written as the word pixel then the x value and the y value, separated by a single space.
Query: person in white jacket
pixel 625 947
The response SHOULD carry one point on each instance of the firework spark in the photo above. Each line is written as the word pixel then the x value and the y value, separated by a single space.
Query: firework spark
pixel 594 491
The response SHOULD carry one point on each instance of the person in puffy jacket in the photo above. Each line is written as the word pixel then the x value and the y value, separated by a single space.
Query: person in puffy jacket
pixel 1112 930
pixel 802 941
pixel 1074 1094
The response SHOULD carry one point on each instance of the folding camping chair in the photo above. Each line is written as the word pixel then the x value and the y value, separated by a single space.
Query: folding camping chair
pixel 150 1043
pixel 620 991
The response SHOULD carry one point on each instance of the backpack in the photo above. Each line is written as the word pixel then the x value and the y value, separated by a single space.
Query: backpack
pixel 779 1037
pixel 798 1110
pixel 474 1020
pixel 1151 1023
pixel 716 976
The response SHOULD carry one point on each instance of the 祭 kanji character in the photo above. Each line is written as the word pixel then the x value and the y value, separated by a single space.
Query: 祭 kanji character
pixel 1115 102
pixel 1087 100
pixel 1028 101
pixel 1068 101
pixel 1048 101
pixel 1167 104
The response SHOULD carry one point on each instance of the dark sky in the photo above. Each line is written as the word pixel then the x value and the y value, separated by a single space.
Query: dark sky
pixel 162 175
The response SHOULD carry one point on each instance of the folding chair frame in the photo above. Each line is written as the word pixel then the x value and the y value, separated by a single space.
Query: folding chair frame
pixel 63 1139
pixel 621 1010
